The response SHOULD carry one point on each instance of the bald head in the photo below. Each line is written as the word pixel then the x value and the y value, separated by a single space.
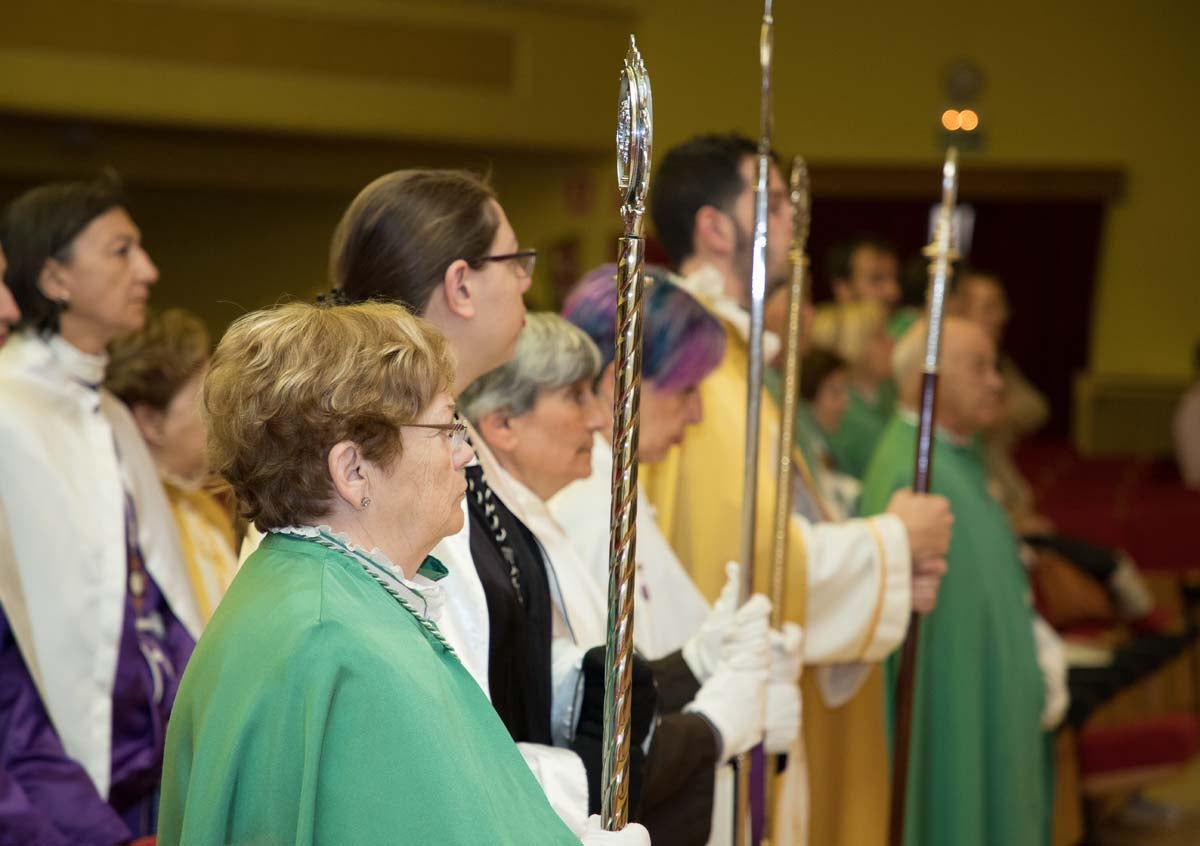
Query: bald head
pixel 968 382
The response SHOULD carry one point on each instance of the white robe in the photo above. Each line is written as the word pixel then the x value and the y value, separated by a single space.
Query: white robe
pixel 63 489
pixel 670 608
pixel 576 548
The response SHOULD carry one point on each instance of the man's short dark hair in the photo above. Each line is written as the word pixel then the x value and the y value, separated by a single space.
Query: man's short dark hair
pixel 838 263
pixel 818 365
pixel 704 171
pixel 42 224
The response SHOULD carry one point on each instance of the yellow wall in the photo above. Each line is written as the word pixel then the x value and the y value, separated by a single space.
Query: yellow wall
pixel 1103 83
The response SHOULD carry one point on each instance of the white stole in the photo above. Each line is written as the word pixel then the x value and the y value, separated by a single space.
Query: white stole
pixel 62 487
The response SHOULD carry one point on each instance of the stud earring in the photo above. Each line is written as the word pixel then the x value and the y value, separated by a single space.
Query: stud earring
pixel 366 500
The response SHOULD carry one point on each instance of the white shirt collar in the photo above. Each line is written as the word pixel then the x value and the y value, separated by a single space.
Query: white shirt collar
pixel 86 369
pixel 707 284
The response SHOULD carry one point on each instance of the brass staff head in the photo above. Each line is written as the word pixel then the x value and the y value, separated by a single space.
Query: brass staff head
pixel 798 189
pixel 943 241
pixel 635 133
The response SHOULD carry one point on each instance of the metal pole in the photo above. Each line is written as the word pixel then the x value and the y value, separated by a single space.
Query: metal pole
pixel 754 380
pixel 634 135
pixel 941 256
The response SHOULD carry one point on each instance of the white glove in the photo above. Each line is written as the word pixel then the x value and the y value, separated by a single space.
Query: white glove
pixel 787 653
pixel 783 695
pixel 734 701
pixel 729 632
pixel 631 835
pixel 1052 659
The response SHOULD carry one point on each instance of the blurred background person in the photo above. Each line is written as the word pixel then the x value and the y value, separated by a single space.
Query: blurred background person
pixel 158 372
pixel 1187 431
pixel 856 332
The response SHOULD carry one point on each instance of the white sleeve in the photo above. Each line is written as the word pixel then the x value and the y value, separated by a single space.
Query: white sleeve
pixel 563 779
pixel 859 589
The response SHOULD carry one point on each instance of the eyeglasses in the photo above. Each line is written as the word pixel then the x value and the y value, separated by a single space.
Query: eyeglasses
pixel 524 259
pixel 456 431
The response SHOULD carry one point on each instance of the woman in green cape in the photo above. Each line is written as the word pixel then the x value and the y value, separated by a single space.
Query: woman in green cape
pixel 323 704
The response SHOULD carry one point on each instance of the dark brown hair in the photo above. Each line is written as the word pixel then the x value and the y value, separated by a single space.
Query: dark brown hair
pixel 816 368
pixel 42 224
pixel 150 366
pixel 402 231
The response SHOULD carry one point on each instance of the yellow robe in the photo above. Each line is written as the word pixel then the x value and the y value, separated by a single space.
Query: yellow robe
pixel 697 490
pixel 206 533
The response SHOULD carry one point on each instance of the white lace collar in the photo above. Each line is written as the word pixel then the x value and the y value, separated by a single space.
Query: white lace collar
pixel 423 590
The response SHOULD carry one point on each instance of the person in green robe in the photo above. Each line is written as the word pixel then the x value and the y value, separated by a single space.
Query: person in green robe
pixel 857 331
pixel 980 769
pixel 323 705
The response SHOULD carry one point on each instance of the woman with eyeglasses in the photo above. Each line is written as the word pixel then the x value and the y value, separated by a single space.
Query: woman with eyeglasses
pixel 324 704
pixel 439 243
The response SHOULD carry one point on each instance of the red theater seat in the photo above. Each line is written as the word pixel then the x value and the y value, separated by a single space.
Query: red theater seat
pixel 1116 757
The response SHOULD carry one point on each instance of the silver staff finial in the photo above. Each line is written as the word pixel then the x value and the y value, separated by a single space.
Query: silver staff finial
pixel 635 131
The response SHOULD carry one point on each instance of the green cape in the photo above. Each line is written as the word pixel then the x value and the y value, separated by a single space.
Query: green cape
pixel 317 710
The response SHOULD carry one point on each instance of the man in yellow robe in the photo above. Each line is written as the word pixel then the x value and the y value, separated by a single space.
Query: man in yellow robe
pixel 852 584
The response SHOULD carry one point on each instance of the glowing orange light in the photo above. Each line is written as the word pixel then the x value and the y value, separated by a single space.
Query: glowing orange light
pixel 951 119
pixel 968 119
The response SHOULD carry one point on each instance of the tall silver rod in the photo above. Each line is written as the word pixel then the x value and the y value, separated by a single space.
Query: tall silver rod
pixel 635 119
pixel 941 255
pixel 754 376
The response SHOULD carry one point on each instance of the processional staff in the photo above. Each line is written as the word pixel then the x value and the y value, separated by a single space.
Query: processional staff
pixel 754 381
pixel 635 116
pixel 941 254
pixel 798 185
pixel 798 190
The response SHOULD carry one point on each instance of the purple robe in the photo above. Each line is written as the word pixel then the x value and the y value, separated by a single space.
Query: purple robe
pixel 46 797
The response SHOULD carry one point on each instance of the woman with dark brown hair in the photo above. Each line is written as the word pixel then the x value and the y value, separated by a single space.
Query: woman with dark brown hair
pixel 98 618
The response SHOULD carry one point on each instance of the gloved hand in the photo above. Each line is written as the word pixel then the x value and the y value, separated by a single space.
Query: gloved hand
pixel 631 835
pixel 734 701
pixel 783 695
pixel 1052 659
pixel 729 632
pixel 588 743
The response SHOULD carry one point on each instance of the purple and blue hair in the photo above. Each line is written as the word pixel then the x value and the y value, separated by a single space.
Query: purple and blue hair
pixel 682 341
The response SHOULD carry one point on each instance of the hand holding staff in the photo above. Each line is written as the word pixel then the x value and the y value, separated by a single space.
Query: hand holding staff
pixel 634 134
pixel 941 256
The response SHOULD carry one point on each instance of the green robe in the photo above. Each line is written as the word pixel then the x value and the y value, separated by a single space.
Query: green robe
pixel 981 767
pixel 862 425
pixel 901 321
pixel 318 710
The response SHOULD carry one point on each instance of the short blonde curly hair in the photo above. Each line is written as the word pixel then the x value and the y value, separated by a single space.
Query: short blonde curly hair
pixel 287 384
